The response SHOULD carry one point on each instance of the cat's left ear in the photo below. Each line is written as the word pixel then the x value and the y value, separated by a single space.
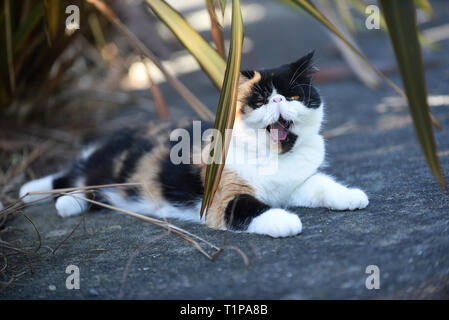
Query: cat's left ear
pixel 304 65
pixel 248 74
pixel 245 76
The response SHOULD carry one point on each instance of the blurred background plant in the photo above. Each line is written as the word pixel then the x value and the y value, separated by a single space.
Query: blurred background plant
pixel 59 85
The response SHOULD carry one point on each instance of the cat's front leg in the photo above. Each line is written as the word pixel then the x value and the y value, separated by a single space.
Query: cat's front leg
pixel 245 213
pixel 236 207
pixel 321 190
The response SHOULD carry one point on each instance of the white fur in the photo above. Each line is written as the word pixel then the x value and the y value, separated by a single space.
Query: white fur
pixel 88 150
pixel 42 184
pixel 322 191
pixel 68 206
pixel 276 223
pixel 163 210
pixel 293 167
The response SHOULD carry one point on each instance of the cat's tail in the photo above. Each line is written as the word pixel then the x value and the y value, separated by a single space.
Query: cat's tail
pixel 38 185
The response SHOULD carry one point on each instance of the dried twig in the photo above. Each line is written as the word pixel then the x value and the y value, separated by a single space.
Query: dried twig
pixel 183 234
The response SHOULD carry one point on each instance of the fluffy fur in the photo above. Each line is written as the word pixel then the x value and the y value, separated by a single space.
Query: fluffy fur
pixel 281 103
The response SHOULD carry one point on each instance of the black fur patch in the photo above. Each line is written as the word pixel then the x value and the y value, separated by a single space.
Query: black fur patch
pixel 181 183
pixel 289 142
pixel 98 167
pixel 63 182
pixel 139 148
pixel 248 73
pixel 241 210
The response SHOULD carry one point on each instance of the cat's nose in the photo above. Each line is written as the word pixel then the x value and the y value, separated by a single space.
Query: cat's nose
pixel 277 99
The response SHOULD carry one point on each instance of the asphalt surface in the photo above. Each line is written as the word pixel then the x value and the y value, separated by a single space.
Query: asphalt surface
pixel 371 145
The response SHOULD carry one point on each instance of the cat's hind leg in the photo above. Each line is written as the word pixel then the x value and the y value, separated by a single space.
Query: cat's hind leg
pixel 66 205
pixel 38 185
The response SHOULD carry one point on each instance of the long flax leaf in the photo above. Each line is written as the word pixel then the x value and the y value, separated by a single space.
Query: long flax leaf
pixel 226 108
pixel 208 58
pixel 400 17
pixel 9 46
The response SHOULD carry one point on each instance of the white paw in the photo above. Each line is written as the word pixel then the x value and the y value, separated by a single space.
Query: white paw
pixel 69 206
pixel 348 199
pixel 43 184
pixel 276 223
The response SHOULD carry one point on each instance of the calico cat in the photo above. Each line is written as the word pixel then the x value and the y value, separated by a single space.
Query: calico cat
pixel 281 103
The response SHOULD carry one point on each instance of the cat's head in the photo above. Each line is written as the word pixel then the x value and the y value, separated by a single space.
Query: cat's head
pixel 283 99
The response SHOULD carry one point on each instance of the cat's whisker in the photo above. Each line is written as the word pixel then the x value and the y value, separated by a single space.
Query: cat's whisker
pixel 297 69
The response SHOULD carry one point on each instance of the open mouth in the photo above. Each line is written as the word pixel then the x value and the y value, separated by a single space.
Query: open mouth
pixel 280 129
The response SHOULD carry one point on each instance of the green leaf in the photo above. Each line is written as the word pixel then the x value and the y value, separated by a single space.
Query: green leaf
pixel 54 18
pixel 208 58
pixel 345 14
pixel 400 17
pixel 426 42
pixel 425 5
pixel 25 29
pixel 226 107
pixel 9 47
pixel 309 8
pixel 358 65
pixel 222 6
pixel 97 31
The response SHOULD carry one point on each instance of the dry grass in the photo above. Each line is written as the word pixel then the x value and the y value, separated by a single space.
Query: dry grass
pixel 10 272
pixel 18 158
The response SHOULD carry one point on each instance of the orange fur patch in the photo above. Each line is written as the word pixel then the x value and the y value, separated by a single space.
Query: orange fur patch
pixel 245 87
pixel 147 172
pixel 231 184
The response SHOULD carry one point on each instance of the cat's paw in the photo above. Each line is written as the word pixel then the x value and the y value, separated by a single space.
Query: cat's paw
pixel 276 223
pixel 68 206
pixel 348 199
pixel 43 184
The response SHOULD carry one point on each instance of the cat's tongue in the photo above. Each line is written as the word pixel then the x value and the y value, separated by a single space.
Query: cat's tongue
pixel 278 132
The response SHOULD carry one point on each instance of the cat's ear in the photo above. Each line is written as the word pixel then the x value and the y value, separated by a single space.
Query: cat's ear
pixel 304 65
pixel 246 75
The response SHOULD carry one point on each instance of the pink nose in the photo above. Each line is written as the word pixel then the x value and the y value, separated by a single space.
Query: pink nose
pixel 277 99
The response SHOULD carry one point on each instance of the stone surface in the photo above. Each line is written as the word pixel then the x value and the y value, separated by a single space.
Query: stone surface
pixel 404 231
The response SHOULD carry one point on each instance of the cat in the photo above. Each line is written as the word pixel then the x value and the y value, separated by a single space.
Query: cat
pixel 281 103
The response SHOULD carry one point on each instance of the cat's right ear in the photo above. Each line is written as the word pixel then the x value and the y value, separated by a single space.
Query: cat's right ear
pixel 245 76
pixel 248 74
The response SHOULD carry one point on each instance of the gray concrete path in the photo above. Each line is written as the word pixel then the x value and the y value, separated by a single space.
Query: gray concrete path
pixel 404 231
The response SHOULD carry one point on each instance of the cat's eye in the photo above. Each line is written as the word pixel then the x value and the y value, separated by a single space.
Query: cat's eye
pixel 293 98
pixel 260 103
